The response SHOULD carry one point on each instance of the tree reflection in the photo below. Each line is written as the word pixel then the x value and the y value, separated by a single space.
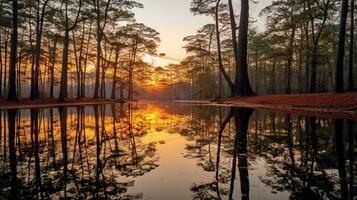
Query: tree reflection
pixel 63 125
pixel 241 119
pixel 102 151
pixel 12 149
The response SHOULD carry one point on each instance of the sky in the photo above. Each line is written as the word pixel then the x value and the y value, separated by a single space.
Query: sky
pixel 174 21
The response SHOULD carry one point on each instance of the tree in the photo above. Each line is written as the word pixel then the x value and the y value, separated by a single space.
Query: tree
pixel 105 11
pixel 317 11
pixel 351 51
pixel 214 8
pixel 242 83
pixel 142 39
pixel 341 47
pixel 282 20
pixel 35 73
pixel 12 96
pixel 70 9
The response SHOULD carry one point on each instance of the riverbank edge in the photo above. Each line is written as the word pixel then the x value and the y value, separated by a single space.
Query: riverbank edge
pixel 52 102
pixel 330 105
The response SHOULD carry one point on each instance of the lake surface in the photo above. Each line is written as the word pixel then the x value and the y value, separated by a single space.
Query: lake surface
pixel 174 151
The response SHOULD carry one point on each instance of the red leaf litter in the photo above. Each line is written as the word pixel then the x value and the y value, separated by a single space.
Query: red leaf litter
pixel 329 105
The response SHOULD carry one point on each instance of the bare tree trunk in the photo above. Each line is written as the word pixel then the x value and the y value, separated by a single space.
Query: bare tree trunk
pixel 242 83
pixel 234 39
pixel 39 28
pixel 63 94
pixel 219 53
pixel 1 66
pixel 115 79
pixel 341 47
pixel 351 53
pixel 290 59
pixel 83 92
pixel 99 49
pixel 52 69
pixel 5 63
pixel 12 72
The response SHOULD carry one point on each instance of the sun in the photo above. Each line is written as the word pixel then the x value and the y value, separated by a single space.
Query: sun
pixel 159 61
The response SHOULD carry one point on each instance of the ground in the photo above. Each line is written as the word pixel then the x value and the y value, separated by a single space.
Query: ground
pixel 329 105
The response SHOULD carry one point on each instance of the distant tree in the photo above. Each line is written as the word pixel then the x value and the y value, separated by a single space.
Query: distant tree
pixel 142 39
pixel 282 19
pixel 318 13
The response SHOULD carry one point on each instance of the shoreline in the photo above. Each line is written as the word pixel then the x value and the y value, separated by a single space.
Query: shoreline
pixel 52 102
pixel 330 105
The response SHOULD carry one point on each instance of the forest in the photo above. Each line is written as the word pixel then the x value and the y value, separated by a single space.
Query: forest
pixel 100 100
pixel 95 48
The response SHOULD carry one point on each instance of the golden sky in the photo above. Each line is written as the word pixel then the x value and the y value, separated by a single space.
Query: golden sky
pixel 173 20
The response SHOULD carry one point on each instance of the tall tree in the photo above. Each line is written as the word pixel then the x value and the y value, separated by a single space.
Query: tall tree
pixel 242 82
pixel 317 11
pixel 70 9
pixel 215 9
pixel 351 52
pixel 143 39
pixel 105 11
pixel 341 48
pixel 12 96
pixel 35 74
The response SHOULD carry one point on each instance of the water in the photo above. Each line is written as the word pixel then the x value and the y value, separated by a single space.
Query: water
pixel 170 151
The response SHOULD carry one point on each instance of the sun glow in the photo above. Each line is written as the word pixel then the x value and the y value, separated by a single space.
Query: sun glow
pixel 159 61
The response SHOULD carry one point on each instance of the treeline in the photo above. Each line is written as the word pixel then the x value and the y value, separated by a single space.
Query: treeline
pixel 89 47
pixel 301 49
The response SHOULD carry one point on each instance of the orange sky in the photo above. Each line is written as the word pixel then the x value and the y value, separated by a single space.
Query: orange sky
pixel 174 21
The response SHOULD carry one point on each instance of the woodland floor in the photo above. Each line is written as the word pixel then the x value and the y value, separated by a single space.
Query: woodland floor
pixel 329 105
pixel 51 102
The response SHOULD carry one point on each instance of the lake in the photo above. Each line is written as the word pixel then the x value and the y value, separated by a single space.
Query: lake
pixel 174 151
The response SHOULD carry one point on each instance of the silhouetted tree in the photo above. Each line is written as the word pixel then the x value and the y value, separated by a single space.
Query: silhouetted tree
pixel 13 54
pixel 341 48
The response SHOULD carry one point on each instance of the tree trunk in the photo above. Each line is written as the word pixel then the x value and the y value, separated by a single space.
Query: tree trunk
pixel 219 53
pixel 234 40
pixel 52 69
pixel 290 60
pixel 341 47
pixel 351 53
pixel 5 63
pixel 0 66
pixel 83 92
pixel 12 73
pixel 99 49
pixel 114 87
pixel 63 94
pixel 242 83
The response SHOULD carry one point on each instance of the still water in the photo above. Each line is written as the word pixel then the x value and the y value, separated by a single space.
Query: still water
pixel 169 151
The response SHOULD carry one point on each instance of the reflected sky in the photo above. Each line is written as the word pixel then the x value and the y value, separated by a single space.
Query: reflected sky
pixel 170 151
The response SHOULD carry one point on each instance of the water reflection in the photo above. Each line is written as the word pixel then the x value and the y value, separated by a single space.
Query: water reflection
pixel 165 151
